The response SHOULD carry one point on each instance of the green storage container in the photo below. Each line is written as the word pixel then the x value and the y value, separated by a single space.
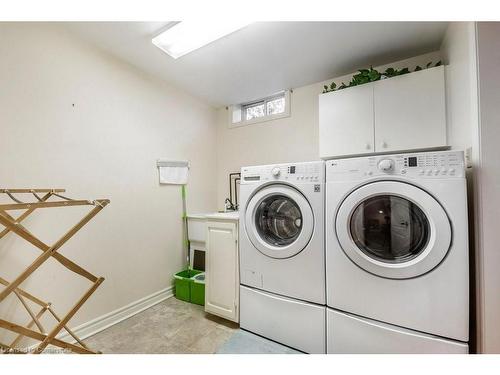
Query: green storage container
pixel 198 289
pixel 183 281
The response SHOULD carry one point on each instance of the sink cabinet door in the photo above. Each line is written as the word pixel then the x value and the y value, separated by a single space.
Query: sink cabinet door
pixel 222 274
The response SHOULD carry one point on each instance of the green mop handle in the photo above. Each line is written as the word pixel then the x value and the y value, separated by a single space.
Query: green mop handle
pixel 185 221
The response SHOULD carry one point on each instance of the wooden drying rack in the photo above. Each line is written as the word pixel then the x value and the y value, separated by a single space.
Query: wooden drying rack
pixel 12 224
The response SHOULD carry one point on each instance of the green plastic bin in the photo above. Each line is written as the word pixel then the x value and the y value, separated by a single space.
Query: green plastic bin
pixel 183 281
pixel 198 289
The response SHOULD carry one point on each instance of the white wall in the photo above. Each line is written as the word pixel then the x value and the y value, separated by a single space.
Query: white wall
pixel 73 117
pixel 284 140
pixel 488 182
pixel 459 54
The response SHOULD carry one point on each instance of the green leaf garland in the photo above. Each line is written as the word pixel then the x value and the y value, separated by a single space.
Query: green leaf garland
pixel 370 75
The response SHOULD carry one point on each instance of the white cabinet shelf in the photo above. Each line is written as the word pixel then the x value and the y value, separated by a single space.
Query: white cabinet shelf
pixel 396 114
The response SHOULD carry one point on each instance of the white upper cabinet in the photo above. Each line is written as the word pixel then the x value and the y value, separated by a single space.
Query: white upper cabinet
pixel 346 122
pixel 395 114
pixel 410 111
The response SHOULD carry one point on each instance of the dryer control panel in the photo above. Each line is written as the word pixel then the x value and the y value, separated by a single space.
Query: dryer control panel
pixel 435 164
pixel 309 172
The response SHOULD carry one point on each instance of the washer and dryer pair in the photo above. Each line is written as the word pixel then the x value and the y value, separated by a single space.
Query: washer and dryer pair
pixel 363 255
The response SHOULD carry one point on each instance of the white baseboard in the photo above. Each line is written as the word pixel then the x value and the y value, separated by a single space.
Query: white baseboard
pixel 107 320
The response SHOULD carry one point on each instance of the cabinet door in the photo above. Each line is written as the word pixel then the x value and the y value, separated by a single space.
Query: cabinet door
pixel 346 122
pixel 222 275
pixel 410 111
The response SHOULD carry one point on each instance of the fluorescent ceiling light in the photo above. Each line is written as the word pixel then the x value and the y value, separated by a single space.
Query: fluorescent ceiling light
pixel 187 36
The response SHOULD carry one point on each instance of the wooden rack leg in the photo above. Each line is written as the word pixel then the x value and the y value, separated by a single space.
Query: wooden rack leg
pixel 40 337
pixel 50 337
pixel 38 316
pixel 67 329
pixel 32 314
pixel 45 306
pixel 30 324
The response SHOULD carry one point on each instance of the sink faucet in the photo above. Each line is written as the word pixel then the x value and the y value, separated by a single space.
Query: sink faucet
pixel 229 205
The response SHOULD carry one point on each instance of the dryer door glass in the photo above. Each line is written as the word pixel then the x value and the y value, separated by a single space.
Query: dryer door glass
pixel 278 220
pixel 382 229
pixel 389 228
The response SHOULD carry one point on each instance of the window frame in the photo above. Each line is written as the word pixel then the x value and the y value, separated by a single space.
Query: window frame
pixel 239 111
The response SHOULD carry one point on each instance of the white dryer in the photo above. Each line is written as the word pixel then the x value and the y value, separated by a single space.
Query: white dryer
pixel 397 254
pixel 282 254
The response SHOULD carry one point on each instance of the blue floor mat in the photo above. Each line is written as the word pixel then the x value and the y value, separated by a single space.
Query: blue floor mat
pixel 243 342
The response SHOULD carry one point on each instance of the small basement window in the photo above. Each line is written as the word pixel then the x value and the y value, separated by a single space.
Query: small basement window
pixel 273 107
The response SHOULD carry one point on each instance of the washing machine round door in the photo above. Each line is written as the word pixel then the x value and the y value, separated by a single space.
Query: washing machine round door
pixel 279 221
pixel 393 229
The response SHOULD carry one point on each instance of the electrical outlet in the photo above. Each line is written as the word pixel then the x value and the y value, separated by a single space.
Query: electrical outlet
pixel 468 157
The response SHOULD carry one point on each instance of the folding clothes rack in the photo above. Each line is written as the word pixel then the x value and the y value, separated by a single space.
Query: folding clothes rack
pixel 12 224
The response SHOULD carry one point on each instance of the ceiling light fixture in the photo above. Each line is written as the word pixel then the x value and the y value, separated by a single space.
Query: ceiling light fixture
pixel 187 36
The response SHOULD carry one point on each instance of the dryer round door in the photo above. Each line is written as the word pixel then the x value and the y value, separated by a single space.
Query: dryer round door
pixel 393 229
pixel 279 221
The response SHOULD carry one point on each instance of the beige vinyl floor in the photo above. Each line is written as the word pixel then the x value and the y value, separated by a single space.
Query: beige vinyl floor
pixel 171 326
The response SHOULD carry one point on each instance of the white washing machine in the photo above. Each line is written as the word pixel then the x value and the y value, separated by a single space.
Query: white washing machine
pixel 397 254
pixel 282 254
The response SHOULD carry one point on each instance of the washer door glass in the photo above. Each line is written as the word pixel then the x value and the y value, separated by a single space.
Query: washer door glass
pixel 278 220
pixel 389 228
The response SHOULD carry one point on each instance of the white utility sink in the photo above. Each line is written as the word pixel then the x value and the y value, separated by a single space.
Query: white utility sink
pixel 197 223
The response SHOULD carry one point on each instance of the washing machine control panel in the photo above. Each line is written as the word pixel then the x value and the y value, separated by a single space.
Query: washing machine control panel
pixel 438 164
pixel 310 172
